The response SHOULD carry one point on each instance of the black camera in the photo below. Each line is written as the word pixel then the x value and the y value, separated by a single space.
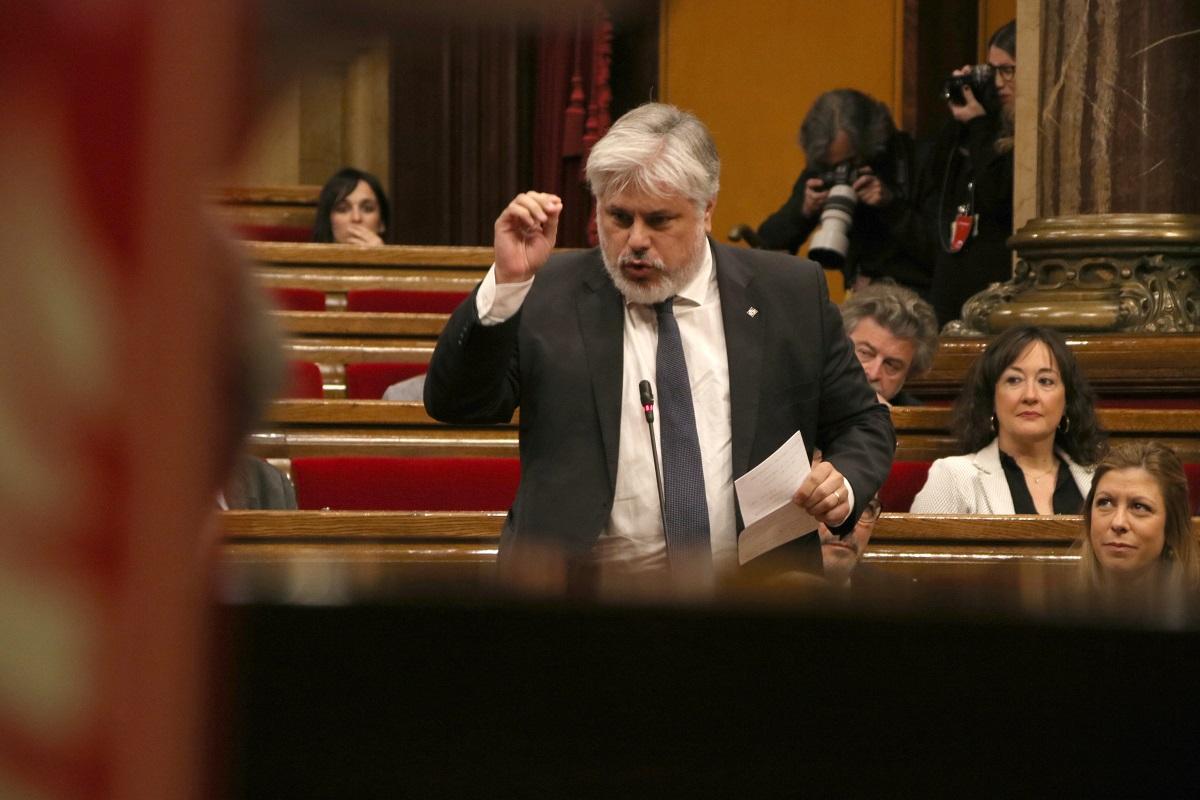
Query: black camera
pixel 843 174
pixel 982 80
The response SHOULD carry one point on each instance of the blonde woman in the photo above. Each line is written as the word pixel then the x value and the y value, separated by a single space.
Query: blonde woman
pixel 1138 538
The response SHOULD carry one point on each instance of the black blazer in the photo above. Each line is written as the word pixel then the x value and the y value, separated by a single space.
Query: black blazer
pixel 791 367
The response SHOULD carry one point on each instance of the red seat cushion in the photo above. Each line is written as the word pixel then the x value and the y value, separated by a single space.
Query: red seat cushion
pixel 398 300
pixel 1193 479
pixel 360 483
pixel 368 381
pixel 298 299
pixel 902 484
pixel 304 381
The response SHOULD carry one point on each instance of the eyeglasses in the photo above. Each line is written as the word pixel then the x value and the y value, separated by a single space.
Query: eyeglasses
pixel 1006 71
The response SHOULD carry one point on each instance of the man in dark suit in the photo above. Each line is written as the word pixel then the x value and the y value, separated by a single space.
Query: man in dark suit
pixel 765 353
pixel 255 484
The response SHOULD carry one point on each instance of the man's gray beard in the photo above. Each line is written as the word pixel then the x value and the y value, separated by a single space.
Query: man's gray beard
pixel 668 285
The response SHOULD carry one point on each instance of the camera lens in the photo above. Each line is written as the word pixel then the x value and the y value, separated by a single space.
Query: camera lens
pixel 831 243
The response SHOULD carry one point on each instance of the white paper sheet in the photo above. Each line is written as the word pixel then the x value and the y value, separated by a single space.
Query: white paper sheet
pixel 765 499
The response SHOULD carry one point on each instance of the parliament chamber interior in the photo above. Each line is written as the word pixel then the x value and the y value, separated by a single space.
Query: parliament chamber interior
pixel 246 557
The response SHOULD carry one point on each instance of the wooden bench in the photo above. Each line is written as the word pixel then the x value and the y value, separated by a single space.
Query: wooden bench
pixel 272 212
pixel 322 262
pixel 337 270
pixel 1166 369
pixel 1161 367
pixel 905 543
pixel 982 552
pixel 376 427
pixel 924 432
pixel 895 535
pixel 423 329
pixel 371 428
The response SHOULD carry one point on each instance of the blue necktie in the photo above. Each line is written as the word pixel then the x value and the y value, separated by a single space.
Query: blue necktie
pixel 686 510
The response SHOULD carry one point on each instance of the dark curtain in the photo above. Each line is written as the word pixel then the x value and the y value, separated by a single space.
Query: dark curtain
pixel 484 109
pixel 571 112
pixel 460 141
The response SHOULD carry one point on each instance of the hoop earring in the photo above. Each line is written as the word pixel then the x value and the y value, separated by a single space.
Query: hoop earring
pixel 1064 424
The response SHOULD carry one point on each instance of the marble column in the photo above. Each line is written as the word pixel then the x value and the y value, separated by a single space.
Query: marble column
pixel 1115 241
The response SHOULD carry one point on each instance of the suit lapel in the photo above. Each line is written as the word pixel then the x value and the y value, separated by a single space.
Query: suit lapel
pixel 1081 475
pixel 991 477
pixel 602 326
pixel 743 348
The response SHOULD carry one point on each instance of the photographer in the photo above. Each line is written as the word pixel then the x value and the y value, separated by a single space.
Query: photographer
pixel 967 188
pixel 849 138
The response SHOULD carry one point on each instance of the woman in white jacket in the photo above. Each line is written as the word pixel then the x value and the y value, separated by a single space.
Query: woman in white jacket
pixel 1026 421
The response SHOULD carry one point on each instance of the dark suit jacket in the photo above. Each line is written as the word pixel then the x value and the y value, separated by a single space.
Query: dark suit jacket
pixel 256 485
pixel 791 367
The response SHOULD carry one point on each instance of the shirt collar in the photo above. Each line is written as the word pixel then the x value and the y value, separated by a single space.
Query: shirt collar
pixel 700 288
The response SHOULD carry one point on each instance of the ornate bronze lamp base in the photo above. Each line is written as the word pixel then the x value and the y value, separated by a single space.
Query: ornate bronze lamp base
pixel 1096 273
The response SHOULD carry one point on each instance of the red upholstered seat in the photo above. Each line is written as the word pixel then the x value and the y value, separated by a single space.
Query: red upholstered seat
pixel 360 483
pixel 368 381
pixel 274 233
pixel 304 381
pixel 398 300
pixel 298 299
pixel 902 484
pixel 1193 479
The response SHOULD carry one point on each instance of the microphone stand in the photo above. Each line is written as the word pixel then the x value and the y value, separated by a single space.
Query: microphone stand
pixel 648 407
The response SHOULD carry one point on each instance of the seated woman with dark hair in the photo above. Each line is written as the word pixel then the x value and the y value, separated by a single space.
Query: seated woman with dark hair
pixel 352 209
pixel 1137 524
pixel 1027 423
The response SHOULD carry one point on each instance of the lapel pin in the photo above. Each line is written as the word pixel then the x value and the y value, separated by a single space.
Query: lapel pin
pixel 752 311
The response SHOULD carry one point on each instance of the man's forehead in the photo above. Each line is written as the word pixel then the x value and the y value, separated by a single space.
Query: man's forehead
pixel 644 202
pixel 868 330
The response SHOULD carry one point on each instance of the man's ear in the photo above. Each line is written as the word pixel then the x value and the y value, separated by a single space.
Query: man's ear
pixel 708 212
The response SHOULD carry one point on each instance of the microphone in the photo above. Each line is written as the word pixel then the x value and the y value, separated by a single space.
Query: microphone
pixel 647 398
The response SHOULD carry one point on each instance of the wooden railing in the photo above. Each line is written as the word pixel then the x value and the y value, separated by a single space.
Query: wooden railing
pixel 931 548
pixel 430 261
pixel 1150 365
pixel 1161 367
pixel 287 206
pixel 376 427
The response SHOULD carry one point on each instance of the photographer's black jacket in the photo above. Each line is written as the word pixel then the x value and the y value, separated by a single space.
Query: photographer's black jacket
pixel 884 242
pixel 965 153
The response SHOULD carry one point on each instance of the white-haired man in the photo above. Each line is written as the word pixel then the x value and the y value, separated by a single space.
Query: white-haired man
pixel 895 337
pixel 570 338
